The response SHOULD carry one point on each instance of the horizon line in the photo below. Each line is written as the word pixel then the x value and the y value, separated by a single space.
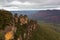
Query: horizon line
pixel 30 9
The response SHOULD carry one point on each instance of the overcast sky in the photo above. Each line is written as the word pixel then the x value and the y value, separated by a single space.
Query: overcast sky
pixel 29 4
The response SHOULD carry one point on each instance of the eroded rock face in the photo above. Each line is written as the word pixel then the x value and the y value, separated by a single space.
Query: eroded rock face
pixel 13 24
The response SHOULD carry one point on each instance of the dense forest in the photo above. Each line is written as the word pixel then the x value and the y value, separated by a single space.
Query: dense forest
pixel 36 30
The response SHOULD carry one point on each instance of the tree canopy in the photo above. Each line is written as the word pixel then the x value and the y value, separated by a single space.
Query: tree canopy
pixel 5 18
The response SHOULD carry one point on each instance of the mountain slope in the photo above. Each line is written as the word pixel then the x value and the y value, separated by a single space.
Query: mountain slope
pixel 45 33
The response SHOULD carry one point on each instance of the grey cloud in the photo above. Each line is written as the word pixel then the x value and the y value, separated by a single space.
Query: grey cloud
pixel 39 4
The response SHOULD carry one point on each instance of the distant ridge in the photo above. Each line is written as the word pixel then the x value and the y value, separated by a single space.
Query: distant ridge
pixel 47 16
